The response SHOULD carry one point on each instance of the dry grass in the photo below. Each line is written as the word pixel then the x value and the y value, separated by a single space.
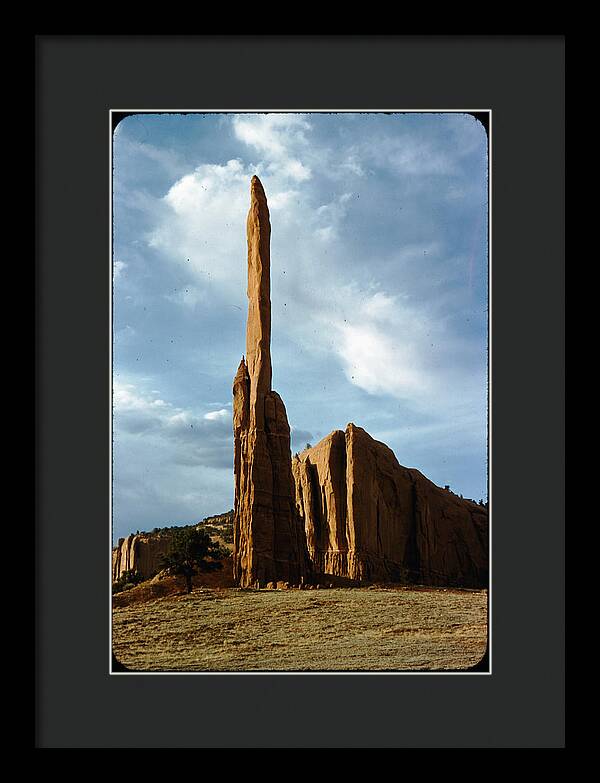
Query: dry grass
pixel 164 586
pixel 366 629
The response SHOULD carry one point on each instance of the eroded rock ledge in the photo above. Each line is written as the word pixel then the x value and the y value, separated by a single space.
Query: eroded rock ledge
pixel 369 518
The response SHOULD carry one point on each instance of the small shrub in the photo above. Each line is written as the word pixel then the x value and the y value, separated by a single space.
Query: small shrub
pixel 126 581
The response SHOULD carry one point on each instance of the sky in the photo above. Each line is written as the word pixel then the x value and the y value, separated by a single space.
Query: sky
pixel 379 263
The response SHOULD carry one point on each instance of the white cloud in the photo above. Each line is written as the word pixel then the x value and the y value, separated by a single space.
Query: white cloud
pixel 132 150
pixel 379 344
pixel 125 397
pixel 280 139
pixel 219 415
pixel 354 167
pixel 271 134
pixel 380 306
pixel 409 154
pixel 199 226
pixel 171 464
pixel 330 217
pixel 205 438
pixel 282 199
pixel 295 170
pixel 200 223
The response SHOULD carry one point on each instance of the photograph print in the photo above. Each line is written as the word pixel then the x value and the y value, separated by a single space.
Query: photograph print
pixel 300 346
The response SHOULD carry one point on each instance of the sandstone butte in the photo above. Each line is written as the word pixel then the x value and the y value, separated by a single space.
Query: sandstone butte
pixel 343 508
pixel 368 518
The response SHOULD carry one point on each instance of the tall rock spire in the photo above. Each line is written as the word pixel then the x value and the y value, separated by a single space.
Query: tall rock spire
pixel 258 328
pixel 269 539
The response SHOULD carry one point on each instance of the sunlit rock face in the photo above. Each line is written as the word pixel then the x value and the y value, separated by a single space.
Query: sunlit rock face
pixel 369 518
pixel 269 541
pixel 344 508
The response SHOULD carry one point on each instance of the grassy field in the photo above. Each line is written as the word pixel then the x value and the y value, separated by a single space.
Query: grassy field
pixel 366 629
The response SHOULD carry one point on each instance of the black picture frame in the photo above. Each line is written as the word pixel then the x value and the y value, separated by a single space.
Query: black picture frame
pixel 78 80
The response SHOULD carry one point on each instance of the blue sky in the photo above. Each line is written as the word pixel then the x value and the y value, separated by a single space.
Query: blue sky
pixel 378 290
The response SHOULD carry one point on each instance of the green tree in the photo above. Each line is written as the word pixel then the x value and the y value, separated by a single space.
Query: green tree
pixel 191 550
pixel 126 581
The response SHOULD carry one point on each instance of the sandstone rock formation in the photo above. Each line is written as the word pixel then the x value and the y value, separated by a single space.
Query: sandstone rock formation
pixel 344 508
pixel 140 552
pixel 269 541
pixel 370 519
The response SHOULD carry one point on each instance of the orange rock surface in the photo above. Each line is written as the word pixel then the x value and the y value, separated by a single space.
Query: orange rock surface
pixel 139 552
pixel 368 518
pixel 269 542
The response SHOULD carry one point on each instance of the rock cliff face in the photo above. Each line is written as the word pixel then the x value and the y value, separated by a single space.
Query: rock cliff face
pixel 370 519
pixel 269 541
pixel 139 553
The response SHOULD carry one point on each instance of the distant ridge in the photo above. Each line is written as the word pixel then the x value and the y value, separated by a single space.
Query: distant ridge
pixel 142 551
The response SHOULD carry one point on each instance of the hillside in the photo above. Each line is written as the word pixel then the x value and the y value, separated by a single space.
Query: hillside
pixel 142 551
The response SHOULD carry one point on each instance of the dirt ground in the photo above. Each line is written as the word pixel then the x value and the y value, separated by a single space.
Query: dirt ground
pixel 349 629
